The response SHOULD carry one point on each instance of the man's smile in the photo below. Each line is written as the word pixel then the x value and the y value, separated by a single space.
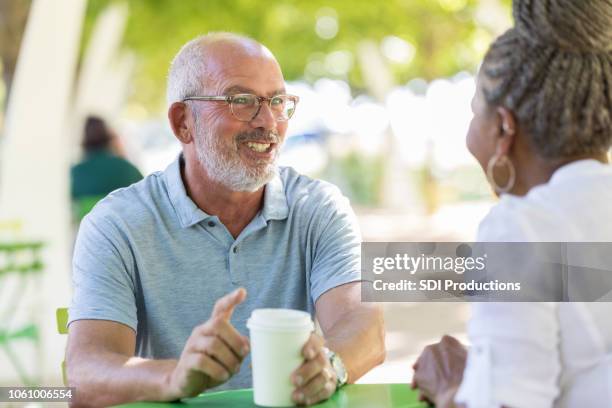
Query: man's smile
pixel 259 149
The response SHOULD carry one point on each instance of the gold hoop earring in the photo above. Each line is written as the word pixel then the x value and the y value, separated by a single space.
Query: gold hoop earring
pixel 502 160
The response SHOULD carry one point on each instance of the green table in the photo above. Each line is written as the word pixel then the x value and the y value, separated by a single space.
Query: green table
pixel 357 395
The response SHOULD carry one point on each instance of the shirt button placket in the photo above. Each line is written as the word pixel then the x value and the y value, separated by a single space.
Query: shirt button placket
pixel 232 263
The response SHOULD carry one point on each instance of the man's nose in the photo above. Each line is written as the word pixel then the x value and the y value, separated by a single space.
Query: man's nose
pixel 265 117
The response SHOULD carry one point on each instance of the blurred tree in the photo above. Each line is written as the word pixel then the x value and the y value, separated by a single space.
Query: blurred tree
pixel 13 16
pixel 317 38
pixel 358 177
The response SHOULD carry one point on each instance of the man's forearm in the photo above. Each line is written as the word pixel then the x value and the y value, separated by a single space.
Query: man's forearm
pixel 104 379
pixel 358 337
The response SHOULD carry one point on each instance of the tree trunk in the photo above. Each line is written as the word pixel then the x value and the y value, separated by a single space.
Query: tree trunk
pixel 13 16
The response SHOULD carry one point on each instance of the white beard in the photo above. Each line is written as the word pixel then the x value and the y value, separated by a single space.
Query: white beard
pixel 224 165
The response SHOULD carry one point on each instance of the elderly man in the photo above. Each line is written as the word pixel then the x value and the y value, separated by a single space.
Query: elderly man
pixel 220 223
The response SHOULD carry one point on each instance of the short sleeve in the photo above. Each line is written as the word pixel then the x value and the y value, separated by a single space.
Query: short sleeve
pixel 337 252
pixel 102 274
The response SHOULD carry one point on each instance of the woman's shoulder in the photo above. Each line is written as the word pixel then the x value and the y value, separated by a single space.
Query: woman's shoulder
pixel 572 206
pixel 522 219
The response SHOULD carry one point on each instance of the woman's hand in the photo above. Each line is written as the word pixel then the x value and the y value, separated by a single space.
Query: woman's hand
pixel 439 370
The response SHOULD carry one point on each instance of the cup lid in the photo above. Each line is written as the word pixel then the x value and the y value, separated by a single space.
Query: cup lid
pixel 280 320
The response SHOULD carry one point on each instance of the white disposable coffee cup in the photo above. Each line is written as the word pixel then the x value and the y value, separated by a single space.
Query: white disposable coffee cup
pixel 277 339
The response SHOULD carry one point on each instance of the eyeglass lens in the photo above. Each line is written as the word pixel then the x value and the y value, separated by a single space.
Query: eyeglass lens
pixel 246 106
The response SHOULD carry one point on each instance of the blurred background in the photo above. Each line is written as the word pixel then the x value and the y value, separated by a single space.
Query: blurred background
pixel 385 90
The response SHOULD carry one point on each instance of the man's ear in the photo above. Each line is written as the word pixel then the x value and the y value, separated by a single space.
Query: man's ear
pixel 178 115
pixel 507 130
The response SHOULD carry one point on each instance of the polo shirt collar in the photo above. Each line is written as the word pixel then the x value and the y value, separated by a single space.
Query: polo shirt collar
pixel 275 202
pixel 187 211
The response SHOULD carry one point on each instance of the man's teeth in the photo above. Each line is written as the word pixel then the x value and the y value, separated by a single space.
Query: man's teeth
pixel 258 147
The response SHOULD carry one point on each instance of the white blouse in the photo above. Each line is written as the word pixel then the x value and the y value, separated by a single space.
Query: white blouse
pixel 545 354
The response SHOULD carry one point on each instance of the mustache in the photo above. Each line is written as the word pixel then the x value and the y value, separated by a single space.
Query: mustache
pixel 261 136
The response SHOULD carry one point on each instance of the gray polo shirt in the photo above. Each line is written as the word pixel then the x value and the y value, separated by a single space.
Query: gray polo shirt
pixel 148 257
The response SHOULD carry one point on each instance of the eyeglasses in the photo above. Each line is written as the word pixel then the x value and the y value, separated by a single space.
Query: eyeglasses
pixel 245 107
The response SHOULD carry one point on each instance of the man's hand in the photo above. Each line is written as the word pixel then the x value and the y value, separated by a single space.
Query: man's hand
pixel 315 379
pixel 213 352
pixel 439 370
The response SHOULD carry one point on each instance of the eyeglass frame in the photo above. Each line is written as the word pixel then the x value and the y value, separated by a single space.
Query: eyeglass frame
pixel 229 98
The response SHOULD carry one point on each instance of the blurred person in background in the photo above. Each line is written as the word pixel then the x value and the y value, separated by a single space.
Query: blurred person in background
pixel 151 260
pixel 542 130
pixel 102 170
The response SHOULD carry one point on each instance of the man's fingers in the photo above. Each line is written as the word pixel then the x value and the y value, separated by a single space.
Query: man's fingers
pixel 207 365
pixel 316 384
pixel 324 394
pixel 224 307
pixel 308 370
pixel 312 346
pixel 317 389
pixel 219 351
pixel 225 331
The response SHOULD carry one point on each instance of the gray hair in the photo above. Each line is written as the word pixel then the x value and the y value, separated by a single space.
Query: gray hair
pixel 554 71
pixel 189 66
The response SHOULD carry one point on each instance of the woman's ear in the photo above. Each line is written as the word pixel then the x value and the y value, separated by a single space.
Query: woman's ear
pixel 507 130
pixel 178 115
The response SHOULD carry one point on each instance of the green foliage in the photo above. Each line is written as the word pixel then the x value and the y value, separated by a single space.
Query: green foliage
pixel 359 177
pixel 443 32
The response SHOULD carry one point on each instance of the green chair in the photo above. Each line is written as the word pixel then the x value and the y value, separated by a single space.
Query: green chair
pixel 61 317
pixel 21 263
